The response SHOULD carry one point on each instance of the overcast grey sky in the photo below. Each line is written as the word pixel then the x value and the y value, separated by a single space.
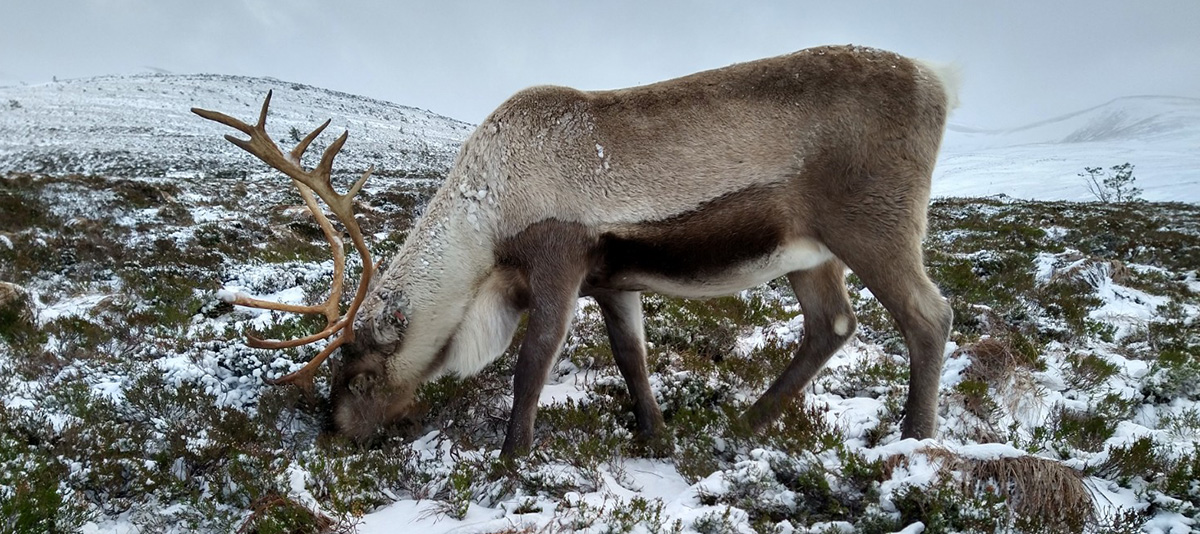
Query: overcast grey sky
pixel 1022 60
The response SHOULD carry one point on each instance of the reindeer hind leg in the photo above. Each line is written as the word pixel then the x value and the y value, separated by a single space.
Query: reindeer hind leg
pixel 828 322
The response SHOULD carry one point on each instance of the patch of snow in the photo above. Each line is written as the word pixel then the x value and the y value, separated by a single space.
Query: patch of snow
pixel 141 126
pixel 1126 308
pixel 988 451
pixel 72 307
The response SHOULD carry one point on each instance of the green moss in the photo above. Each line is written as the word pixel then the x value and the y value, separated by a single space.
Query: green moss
pixel 1087 430
pixel 584 435
pixel 35 500
pixel 22 208
pixel 1068 299
pixel 163 296
pixel 860 479
pixel 871 374
pixel 716 523
pixel 1148 465
pixel 17 327
pixel 943 510
pixel 1137 459
pixel 142 194
pixel 1181 476
pixel 705 328
pixel 1172 341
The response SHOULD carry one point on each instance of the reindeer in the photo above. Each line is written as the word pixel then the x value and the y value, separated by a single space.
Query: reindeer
pixel 801 165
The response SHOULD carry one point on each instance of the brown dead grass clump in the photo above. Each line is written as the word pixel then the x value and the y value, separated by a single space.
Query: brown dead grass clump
pixel 993 360
pixel 1092 271
pixel 15 304
pixel 997 362
pixel 1042 494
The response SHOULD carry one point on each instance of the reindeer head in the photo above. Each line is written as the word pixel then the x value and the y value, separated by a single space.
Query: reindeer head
pixel 364 401
pixel 363 398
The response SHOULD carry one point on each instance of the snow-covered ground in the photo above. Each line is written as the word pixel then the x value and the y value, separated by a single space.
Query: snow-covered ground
pixel 139 127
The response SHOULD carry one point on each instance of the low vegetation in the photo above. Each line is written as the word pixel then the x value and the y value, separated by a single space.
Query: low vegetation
pixel 1070 400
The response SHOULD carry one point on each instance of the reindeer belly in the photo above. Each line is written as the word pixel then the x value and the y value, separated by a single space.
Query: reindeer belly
pixel 727 244
pixel 705 272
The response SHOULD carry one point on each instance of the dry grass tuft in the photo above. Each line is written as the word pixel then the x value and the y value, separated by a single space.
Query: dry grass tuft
pixel 15 303
pixel 996 362
pixel 1042 494
pixel 993 360
pixel 1092 271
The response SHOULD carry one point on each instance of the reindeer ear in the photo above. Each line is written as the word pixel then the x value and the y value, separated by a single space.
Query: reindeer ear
pixel 362 383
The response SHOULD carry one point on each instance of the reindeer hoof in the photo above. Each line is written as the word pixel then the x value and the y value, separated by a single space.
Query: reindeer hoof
pixel 657 444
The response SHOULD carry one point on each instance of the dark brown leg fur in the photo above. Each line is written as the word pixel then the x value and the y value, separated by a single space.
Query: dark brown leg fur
pixel 895 274
pixel 553 258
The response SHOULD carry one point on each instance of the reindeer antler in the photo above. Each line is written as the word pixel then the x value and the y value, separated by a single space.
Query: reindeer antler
pixel 308 181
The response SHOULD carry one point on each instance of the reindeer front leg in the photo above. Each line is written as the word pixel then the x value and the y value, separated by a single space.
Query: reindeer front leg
pixel 552 255
pixel 549 317
pixel 622 311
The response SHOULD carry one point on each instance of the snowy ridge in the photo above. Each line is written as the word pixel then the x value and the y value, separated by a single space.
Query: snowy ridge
pixel 141 126
pixel 1159 135
pixel 1131 118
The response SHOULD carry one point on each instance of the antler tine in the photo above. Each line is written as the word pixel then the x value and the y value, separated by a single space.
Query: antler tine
pixel 262 114
pixel 325 167
pixel 304 376
pixel 260 343
pixel 217 116
pixel 358 184
pixel 330 307
pixel 308 139
pixel 334 238
pixel 321 180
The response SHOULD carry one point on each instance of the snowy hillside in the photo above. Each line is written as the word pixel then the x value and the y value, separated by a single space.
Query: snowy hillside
pixel 1159 135
pixel 140 126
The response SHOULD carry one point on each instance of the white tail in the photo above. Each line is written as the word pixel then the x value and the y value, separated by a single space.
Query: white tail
pixel 951 77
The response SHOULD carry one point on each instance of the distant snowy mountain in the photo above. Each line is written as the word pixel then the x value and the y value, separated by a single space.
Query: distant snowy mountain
pixel 140 126
pixel 1159 135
